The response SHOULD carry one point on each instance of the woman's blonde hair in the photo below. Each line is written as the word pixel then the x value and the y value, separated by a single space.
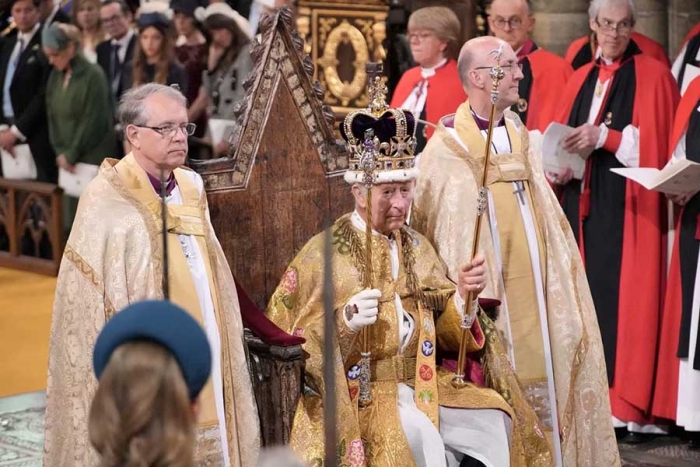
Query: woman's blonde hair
pixel 443 22
pixel 167 54
pixel 142 415
pixel 77 5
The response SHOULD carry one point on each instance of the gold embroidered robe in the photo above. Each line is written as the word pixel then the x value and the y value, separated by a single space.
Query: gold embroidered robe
pixel 114 257
pixel 444 210
pixel 374 436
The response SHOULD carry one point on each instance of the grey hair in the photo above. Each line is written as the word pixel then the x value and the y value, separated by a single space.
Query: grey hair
pixel 131 106
pixel 596 5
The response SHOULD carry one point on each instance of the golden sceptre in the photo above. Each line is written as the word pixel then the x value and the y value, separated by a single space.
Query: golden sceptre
pixel 497 75
pixel 370 152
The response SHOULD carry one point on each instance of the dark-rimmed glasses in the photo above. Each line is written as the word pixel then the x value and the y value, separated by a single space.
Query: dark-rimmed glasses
pixel 168 131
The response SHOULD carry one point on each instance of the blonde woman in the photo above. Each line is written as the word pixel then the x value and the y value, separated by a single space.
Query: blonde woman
pixel 150 372
pixel 86 15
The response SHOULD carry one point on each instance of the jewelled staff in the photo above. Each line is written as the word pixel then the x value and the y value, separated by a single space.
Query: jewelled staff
pixel 497 74
pixel 370 152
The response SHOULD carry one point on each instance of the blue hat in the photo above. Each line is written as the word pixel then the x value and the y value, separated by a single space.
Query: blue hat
pixel 163 323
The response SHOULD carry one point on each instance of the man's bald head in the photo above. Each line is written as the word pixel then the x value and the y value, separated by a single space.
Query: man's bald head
pixel 475 59
pixel 476 53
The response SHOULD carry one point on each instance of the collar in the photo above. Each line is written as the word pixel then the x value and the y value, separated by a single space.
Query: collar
pixel 155 183
pixel 483 123
pixel 526 49
pixel 28 36
pixel 124 41
pixel 428 72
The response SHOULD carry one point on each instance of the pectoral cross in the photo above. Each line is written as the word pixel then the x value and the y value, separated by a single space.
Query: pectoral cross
pixel 520 191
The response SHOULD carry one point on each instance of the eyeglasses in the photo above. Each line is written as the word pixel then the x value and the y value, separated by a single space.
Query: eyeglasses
pixel 513 23
pixel 111 19
pixel 421 36
pixel 508 67
pixel 168 131
pixel 623 28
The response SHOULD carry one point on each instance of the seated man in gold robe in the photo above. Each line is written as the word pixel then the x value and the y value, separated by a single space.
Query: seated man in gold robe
pixel 546 318
pixel 414 317
pixel 114 257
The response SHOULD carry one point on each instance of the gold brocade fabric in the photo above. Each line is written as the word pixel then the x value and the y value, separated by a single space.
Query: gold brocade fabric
pixel 114 258
pixel 444 210
pixel 374 436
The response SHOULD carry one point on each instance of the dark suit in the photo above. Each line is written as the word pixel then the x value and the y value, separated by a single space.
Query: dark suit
pixel 104 59
pixel 61 17
pixel 27 92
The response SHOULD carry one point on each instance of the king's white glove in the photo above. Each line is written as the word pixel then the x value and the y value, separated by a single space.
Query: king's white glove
pixel 362 309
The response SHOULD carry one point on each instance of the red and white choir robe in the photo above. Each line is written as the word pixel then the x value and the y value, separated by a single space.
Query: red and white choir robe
pixel 679 331
pixel 619 225
pixel 430 93
pixel 580 52
pixel 544 76
pixel 689 54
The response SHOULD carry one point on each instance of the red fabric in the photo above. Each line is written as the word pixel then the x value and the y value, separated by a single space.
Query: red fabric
pixel 445 92
pixel 549 76
pixel 575 46
pixel 525 50
pixel 642 278
pixel 665 399
pixel 260 325
pixel 612 142
pixel 692 33
pixel 648 47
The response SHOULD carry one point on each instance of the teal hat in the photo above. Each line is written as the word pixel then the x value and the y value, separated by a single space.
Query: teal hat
pixel 54 38
pixel 163 323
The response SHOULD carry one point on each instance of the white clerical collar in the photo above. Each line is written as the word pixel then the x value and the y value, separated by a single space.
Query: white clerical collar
pixel 428 72
pixel 599 55
pixel 361 225
pixel 124 41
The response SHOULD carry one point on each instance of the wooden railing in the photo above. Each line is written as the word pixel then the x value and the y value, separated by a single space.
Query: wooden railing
pixel 31 226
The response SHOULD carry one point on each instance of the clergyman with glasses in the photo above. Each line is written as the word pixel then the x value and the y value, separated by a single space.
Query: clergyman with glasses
pixel 546 317
pixel 586 49
pixel 620 108
pixel 544 73
pixel 115 257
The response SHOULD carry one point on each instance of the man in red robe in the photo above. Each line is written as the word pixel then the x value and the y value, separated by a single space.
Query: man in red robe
pixel 585 49
pixel 618 106
pixel 689 55
pixel 544 73
pixel 678 374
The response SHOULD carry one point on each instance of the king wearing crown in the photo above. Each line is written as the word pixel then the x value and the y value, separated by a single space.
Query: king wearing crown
pixel 398 321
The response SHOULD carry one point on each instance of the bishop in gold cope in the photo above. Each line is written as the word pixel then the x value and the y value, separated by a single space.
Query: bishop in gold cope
pixel 412 316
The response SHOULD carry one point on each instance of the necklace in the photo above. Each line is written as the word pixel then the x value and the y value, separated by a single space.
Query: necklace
pixel 599 89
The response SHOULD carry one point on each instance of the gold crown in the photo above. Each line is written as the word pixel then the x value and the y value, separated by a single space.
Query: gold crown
pixel 381 141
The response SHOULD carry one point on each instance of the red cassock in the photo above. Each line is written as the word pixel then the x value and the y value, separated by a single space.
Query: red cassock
pixel 549 76
pixel 579 52
pixel 665 398
pixel 445 92
pixel 643 244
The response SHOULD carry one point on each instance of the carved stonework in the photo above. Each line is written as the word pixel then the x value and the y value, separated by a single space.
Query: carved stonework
pixel 31 229
pixel 341 37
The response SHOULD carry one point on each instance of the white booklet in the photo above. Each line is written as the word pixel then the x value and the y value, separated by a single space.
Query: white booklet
pixel 220 129
pixel 19 167
pixel 73 184
pixel 554 158
pixel 677 178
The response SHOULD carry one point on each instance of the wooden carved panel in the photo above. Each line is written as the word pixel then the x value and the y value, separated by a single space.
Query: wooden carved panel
pixel 341 37
pixel 283 180
pixel 31 228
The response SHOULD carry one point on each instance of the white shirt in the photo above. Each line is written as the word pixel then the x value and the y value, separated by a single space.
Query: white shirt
pixel 23 40
pixel 123 44
pixel 415 101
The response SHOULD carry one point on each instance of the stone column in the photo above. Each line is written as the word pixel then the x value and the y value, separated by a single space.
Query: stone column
pixel 682 16
pixel 559 22
pixel 652 19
